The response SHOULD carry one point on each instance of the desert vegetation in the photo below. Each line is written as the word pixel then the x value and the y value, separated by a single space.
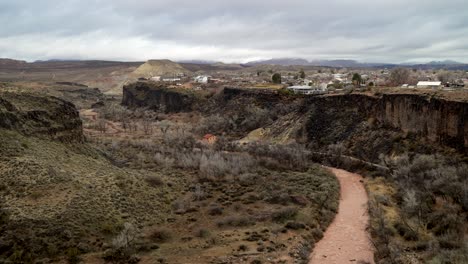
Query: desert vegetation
pixel 243 194
pixel 419 211
pixel 145 185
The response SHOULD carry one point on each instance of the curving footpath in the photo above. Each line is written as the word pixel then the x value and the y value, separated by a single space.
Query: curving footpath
pixel 346 240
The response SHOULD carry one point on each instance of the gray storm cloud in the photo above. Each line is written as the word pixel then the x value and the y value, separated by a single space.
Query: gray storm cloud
pixel 366 30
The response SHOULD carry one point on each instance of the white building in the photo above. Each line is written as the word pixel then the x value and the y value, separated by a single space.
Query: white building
pixel 339 75
pixel 433 85
pixel 171 79
pixel 156 78
pixel 305 89
pixel 202 79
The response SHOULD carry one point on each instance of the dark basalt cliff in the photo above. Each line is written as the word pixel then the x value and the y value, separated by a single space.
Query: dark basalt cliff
pixel 42 116
pixel 328 119
pixel 331 119
pixel 336 118
pixel 157 97
pixel 438 120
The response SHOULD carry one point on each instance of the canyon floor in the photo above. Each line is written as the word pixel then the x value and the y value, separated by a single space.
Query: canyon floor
pixel 346 239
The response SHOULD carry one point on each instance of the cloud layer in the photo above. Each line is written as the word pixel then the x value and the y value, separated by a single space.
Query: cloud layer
pixel 235 31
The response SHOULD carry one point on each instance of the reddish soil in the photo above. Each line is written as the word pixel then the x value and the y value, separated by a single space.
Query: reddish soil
pixel 346 239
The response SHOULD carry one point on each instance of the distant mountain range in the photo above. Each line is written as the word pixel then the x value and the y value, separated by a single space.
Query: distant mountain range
pixel 196 65
pixel 197 61
pixel 352 63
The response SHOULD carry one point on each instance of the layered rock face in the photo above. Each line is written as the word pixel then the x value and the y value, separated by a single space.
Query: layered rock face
pixel 436 120
pixel 156 97
pixel 334 118
pixel 42 116
pixel 329 119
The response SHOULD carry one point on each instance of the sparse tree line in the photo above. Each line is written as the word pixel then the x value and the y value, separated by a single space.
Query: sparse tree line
pixel 182 149
pixel 399 76
pixel 221 161
pixel 147 121
pixel 131 120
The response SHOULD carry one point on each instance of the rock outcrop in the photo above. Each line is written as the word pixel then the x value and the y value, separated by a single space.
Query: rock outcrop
pixel 157 97
pixel 440 121
pixel 329 119
pixel 42 116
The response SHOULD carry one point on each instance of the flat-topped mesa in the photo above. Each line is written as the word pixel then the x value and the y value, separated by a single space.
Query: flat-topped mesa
pixel 41 116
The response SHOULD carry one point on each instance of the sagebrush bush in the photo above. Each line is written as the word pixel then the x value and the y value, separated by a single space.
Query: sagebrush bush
pixel 160 235
pixel 154 180
pixel 284 214
pixel 431 193
pixel 235 220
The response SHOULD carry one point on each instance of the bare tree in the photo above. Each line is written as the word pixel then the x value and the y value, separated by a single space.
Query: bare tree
pixel 133 126
pixel 101 125
pixel 126 237
pixel 147 126
pixel 399 76
pixel 446 76
pixel 126 124
pixel 164 126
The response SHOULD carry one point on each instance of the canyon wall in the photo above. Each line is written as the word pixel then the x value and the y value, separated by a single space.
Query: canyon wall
pixel 157 97
pixel 438 120
pixel 334 118
pixel 328 119
pixel 337 117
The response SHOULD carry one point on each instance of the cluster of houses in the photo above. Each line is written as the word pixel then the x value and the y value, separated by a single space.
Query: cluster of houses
pixel 321 81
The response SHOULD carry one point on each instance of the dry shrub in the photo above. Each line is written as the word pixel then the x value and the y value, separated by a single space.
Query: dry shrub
pixel 160 235
pixel 284 214
pixel 215 165
pixel 202 233
pixel 236 221
pixel 215 209
pixel 154 181
pixel 123 246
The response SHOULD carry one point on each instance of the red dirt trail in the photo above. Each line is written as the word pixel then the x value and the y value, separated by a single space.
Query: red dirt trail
pixel 346 239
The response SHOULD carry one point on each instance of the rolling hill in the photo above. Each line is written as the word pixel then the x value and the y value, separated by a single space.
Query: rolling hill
pixel 159 67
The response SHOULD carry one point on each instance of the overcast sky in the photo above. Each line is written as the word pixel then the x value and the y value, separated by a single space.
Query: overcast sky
pixel 235 31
